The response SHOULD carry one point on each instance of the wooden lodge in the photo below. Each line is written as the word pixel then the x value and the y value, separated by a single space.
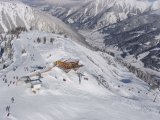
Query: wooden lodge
pixel 68 64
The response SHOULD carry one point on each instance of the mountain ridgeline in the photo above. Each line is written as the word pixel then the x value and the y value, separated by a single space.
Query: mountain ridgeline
pixel 15 14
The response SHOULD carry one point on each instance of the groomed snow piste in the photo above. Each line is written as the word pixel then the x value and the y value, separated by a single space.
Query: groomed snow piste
pixel 125 98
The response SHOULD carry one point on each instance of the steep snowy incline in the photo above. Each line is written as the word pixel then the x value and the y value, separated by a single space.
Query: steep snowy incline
pixel 117 94
pixel 16 14
pixel 136 40
pixel 91 14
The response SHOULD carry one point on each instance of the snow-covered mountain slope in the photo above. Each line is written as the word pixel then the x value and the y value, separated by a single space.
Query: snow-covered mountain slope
pixel 128 18
pixel 89 14
pixel 106 89
pixel 119 95
pixel 121 15
pixel 16 14
pixel 137 39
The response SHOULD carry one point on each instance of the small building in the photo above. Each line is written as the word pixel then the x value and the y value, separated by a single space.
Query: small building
pixel 68 64
pixel 35 86
pixel 25 79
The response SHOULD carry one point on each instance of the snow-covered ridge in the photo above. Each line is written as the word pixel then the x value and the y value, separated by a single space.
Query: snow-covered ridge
pixel 99 5
pixel 99 13
pixel 16 14
pixel 142 5
pixel 111 11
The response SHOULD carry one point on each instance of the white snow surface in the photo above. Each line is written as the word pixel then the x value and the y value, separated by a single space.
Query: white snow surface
pixel 16 14
pixel 69 100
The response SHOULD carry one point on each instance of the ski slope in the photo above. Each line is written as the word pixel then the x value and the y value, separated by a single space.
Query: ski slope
pixel 125 98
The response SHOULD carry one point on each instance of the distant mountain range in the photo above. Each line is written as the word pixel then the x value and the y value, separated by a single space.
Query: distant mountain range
pixel 90 14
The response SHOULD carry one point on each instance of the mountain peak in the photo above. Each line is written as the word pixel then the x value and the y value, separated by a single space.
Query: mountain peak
pixel 17 14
